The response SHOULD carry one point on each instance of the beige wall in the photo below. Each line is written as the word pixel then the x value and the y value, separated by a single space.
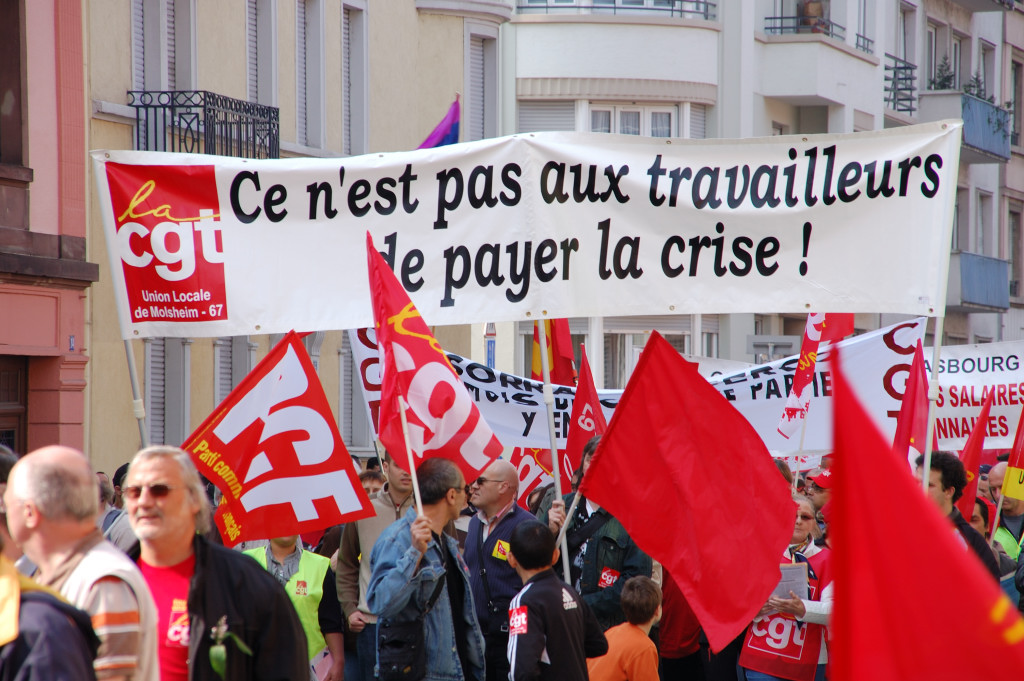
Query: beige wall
pixel 415 63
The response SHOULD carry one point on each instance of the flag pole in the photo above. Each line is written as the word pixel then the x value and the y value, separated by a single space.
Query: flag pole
pixel 408 452
pixel 933 396
pixel 796 457
pixel 549 402
pixel 138 405
pixel 568 514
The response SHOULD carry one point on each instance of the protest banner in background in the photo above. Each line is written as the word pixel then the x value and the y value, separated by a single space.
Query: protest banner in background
pixel 537 225
pixel 273 448
pixel 879 360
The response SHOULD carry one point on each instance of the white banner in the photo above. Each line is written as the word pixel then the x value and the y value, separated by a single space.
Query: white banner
pixel 877 362
pixel 533 225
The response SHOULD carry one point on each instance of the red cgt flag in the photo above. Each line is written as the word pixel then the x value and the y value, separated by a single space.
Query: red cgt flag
pixel 670 438
pixel 971 457
pixel 587 418
pixel 820 328
pixel 912 423
pixel 443 420
pixel 950 621
pixel 274 450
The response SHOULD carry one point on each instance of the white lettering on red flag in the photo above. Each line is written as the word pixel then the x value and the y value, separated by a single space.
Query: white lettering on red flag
pixel 274 450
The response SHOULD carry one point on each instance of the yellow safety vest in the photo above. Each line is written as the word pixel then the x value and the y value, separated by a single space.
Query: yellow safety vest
pixel 305 588
pixel 1011 545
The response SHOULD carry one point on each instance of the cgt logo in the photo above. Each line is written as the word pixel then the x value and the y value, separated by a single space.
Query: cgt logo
pixel 169 241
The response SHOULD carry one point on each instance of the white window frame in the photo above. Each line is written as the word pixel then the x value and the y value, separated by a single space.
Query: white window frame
pixel 355 80
pixel 488 33
pixel 646 111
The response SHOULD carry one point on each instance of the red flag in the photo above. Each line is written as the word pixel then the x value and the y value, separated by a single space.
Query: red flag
pixel 820 328
pixel 670 438
pixel 1013 483
pixel 951 621
pixel 443 419
pixel 560 358
pixel 912 423
pixel 587 418
pixel 274 450
pixel 971 457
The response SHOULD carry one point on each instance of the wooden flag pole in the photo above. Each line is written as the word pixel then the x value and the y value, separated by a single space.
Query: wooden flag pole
pixel 549 402
pixel 568 514
pixel 933 396
pixel 408 452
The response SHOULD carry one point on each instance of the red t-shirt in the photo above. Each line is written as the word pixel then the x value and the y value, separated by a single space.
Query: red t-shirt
pixel 169 586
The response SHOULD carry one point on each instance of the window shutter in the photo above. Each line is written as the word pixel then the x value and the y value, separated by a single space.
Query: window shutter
pixel 300 71
pixel 698 118
pixel 138 46
pixel 155 383
pixel 252 51
pixel 541 116
pixel 172 81
pixel 476 88
pixel 346 82
pixel 222 364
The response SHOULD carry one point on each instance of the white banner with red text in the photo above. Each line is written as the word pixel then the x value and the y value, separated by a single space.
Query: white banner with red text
pixel 536 225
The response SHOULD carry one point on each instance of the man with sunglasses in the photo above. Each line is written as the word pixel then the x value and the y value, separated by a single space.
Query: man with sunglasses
pixel 52 504
pixel 417 575
pixel 494 581
pixel 198 585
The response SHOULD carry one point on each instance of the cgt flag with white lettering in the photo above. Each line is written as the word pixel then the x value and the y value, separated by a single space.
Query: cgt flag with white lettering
pixel 274 450
pixel 443 419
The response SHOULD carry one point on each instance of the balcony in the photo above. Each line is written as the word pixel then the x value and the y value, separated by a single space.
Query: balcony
pixel 200 122
pixel 986 133
pixel 804 24
pixel 977 283
pixel 685 9
pixel 900 88
pixel 985 5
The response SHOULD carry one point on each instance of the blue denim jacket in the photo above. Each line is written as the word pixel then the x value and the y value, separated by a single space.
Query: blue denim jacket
pixel 400 592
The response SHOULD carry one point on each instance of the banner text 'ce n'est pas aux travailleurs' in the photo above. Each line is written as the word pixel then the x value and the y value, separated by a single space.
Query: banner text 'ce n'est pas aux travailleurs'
pixel 533 225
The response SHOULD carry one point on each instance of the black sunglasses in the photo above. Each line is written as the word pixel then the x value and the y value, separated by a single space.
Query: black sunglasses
pixel 159 490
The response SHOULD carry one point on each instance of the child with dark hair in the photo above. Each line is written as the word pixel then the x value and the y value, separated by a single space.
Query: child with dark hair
pixel 632 655
pixel 551 629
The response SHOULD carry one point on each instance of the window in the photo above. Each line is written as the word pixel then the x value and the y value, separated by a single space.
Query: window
pixel 163 44
pixel 1015 101
pixel 982 238
pixel 353 73
pixel 1014 249
pixel 988 73
pixel 960 221
pixel 930 62
pixel 646 121
pixel 261 51
pixel 481 77
pixel 537 116
pixel 956 61
pixel 168 389
pixel 11 76
pixel 310 76
pixel 233 358
pixel 905 34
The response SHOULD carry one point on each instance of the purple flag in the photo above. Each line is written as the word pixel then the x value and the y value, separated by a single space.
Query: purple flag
pixel 447 131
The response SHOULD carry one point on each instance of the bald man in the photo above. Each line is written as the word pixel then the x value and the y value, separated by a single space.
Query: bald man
pixel 52 504
pixel 493 580
pixel 1010 532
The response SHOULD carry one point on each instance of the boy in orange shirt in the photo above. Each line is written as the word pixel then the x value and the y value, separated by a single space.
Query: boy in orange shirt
pixel 632 655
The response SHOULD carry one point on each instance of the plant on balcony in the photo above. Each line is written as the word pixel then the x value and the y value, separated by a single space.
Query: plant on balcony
pixel 976 88
pixel 944 78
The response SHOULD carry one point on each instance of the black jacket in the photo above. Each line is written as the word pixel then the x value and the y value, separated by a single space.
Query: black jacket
pixel 552 632
pixel 976 542
pixel 228 583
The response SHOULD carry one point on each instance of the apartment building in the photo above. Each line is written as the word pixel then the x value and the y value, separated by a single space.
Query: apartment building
pixel 263 79
pixel 694 69
pixel 46 268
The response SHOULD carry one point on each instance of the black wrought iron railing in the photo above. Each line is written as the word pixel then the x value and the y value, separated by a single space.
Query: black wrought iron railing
pixel 900 84
pixel 865 44
pixel 687 9
pixel 804 24
pixel 201 122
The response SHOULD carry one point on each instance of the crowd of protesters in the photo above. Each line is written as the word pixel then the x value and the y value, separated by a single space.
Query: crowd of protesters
pixel 125 578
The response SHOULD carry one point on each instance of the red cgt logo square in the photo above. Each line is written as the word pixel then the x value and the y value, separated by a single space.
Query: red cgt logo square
pixel 169 241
